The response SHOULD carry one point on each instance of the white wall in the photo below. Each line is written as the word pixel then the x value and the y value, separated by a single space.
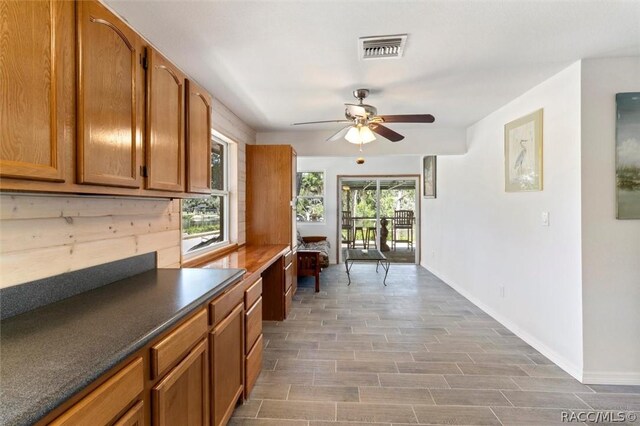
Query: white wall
pixel 332 166
pixel 610 247
pixel 418 141
pixel 477 237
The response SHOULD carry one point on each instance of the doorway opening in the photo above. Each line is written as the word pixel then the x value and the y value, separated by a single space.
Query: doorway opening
pixel 380 213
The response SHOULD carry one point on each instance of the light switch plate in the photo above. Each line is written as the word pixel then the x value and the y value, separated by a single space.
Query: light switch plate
pixel 545 218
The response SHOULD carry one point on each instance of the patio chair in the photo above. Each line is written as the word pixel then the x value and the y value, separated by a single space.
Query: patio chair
pixel 402 221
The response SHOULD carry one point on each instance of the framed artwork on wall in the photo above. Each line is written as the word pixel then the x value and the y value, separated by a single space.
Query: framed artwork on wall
pixel 429 173
pixel 628 155
pixel 523 153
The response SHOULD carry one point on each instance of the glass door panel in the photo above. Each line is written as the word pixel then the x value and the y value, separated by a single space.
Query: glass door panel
pixel 358 211
pixel 379 213
pixel 398 212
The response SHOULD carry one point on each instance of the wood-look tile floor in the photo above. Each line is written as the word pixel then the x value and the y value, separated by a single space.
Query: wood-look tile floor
pixel 415 352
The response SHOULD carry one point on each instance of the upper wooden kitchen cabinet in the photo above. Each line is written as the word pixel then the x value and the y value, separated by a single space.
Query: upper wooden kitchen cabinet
pixel 31 56
pixel 165 148
pixel 198 116
pixel 108 105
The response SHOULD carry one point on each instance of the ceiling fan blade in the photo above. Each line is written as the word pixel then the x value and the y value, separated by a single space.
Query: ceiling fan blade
pixel 356 110
pixel 320 122
pixel 340 134
pixel 386 132
pixel 408 118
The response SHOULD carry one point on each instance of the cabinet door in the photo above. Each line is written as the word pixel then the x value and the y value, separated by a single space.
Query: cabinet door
pixel 165 124
pixel 108 149
pixel 181 397
pixel 198 141
pixel 30 141
pixel 227 360
pixel 133 417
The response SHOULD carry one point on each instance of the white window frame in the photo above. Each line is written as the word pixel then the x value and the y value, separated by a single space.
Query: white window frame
pixel 324 198
pixel 225 193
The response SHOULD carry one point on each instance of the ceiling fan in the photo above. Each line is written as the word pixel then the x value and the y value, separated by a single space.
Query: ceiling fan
pixel 364 120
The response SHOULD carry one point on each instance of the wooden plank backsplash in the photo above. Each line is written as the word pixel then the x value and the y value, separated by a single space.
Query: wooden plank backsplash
pixel 41 236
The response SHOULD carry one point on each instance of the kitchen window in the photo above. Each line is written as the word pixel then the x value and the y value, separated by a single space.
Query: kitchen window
pixel 310 200
pixel 205 221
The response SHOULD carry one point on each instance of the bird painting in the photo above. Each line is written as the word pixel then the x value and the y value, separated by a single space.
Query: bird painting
pixel 523 153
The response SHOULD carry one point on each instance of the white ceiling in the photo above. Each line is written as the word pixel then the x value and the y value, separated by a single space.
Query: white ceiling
pixel 277 62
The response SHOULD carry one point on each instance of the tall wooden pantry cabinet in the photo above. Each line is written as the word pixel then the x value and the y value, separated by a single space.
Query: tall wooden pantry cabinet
pixel 271 218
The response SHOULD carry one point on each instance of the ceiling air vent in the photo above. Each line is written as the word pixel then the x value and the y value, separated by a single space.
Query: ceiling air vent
pixel 381 47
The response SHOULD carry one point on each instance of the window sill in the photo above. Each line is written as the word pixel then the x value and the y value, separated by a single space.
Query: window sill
pixel 209 256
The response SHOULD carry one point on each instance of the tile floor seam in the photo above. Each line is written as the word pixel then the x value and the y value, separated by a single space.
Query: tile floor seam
pixel 494 413
pixel 414 413
pixel 508 400
pixel 584 402
pixel 259 407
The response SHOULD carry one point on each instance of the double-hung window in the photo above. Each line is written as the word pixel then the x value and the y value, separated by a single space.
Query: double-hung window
pixel 205 221
pixel 310 200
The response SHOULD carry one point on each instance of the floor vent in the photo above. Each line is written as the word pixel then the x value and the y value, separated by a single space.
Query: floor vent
pixel 382 47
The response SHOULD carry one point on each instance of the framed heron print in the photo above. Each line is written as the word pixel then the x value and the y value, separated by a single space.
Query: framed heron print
pixel 523 153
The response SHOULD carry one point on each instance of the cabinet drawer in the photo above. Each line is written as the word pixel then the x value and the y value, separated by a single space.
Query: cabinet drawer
pixel 102 405
pixel 253 324
pixel 252 294
pixel 170 349
pixel 223 305
pixel 287 258
pixel 288 299
pixel 288 277
pixel 253 366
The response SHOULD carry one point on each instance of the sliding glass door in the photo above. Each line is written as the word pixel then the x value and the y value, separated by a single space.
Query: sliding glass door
pixel 380 213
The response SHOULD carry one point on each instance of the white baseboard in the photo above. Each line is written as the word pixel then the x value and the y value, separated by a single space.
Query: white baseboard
pixel 559 360
pixel 610 378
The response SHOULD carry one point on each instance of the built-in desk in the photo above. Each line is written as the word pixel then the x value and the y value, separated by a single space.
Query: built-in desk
pixel 268 285
pixel 271 262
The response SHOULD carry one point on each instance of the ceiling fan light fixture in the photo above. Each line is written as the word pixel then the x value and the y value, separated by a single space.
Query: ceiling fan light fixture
pixel 360 135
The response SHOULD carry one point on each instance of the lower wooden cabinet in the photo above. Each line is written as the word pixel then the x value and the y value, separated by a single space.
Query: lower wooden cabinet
pixel 182 397
pixel 288 299
pixel 253 366
pixel 107 401
pixel 193 375
pixel 133 417
pixel 227 361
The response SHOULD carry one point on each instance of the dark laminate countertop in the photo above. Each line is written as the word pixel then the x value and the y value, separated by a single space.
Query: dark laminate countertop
pixel 49 354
